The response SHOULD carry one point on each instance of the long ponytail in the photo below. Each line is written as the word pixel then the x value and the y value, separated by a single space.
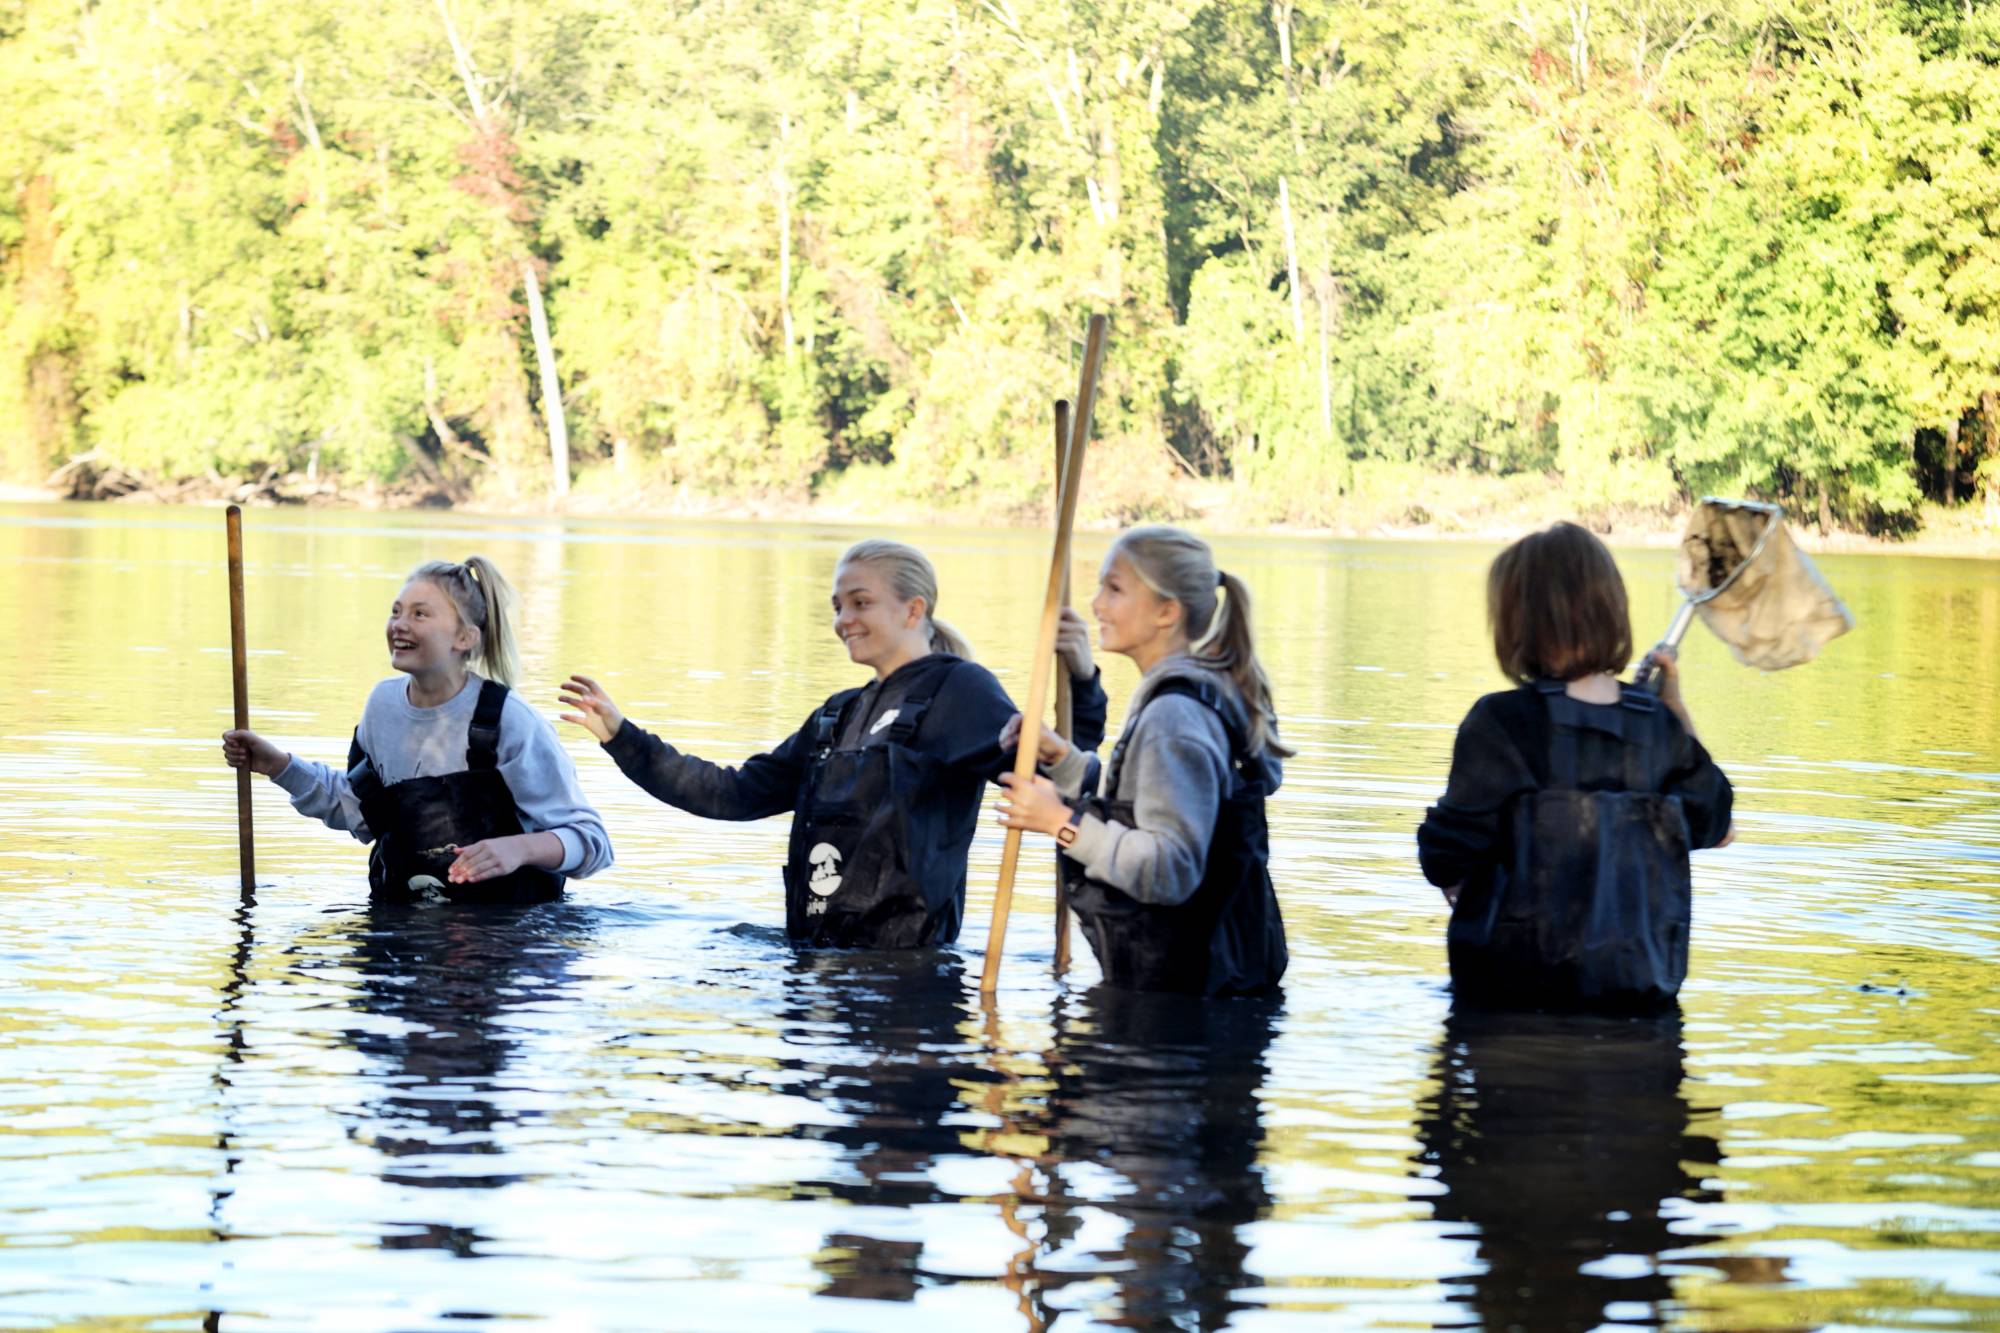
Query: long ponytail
pixel 486 601
pixel 911 576
pixel 1215 607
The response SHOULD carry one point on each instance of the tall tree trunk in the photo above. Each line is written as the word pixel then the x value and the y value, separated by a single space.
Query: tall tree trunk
pixel 781 183
pixel 1325 369
pixel 1951 430
pixel 545 358
pixel 1291 260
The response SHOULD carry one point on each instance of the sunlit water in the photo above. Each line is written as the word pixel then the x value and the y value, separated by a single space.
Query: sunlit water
pixel 639 1109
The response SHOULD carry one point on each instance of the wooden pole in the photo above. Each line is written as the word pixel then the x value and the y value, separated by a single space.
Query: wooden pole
pixel 239 662
pixel 1065 705
pixel 1045 644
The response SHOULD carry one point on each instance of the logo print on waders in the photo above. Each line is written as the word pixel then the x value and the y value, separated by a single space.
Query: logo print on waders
pixel 825 859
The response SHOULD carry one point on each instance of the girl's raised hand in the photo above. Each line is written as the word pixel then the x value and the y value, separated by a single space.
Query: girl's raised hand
pixel 1051 749
pixel 246 749
pixel 595 712
pixel 1033 807
pixel 1668 660
pixel 1073 644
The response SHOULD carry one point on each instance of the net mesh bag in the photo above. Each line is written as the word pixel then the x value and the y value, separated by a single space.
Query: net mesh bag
pixel 1753 586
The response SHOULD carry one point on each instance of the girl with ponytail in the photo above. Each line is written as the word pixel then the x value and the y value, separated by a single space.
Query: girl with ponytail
pixel 883 781
pixel 461 786
pixel 1164 848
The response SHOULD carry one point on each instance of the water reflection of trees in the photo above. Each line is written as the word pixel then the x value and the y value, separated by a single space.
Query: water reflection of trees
pixel 437 985
pixel 1561 1141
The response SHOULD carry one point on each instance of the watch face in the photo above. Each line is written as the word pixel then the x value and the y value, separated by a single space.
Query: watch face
pixel 1066 835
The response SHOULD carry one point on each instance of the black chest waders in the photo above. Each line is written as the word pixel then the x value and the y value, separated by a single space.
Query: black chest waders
pixel 1229 937
pixel 417 820
pixel 874 861
pixel 1589 903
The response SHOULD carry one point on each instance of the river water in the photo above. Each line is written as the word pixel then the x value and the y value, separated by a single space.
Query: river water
pixel 639 1109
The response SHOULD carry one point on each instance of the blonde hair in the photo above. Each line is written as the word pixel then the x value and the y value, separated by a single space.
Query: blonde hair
pixel 910 576
pixel 486 601
pixel 1215 613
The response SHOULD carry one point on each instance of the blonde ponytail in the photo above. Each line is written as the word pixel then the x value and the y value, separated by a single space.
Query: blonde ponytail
pixel 1215 609
pixel 945 639
pixel 486 601
pixel 910 576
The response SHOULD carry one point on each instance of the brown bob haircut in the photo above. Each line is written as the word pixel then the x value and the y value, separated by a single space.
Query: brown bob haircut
pixel 1557 606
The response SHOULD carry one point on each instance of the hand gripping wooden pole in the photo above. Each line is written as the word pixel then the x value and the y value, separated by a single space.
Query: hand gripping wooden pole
pixel 1065 704
pixel 1045 643
pixel 239 662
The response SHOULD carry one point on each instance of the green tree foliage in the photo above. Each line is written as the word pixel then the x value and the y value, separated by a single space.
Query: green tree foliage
pixel 1653 249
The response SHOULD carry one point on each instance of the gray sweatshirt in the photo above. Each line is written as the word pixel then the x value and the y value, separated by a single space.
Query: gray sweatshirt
pixel 1175 772
pixel 405 741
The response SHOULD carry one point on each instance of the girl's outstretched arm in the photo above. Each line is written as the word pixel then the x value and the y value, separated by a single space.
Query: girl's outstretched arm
pixel 317 791
pixel 765 784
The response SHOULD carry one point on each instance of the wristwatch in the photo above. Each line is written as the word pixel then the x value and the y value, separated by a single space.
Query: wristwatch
pixel 1066 835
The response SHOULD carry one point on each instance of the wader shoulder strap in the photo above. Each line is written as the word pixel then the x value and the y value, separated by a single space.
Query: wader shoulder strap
pixel 368 783
pixel 826 723
pixel 1203 693
pixel 482 746
pixel 1563 764
pixel 910 712
pixel 1638 705
pixel 1568 719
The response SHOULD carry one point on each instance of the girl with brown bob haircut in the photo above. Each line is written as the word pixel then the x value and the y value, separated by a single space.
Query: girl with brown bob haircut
pixel 1562 837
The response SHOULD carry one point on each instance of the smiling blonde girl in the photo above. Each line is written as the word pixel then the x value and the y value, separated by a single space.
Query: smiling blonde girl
pixel 883 781
pixel 462 787
pixel 1164 846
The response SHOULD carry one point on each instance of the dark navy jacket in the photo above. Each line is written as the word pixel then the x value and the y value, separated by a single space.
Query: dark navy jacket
pixel 890 802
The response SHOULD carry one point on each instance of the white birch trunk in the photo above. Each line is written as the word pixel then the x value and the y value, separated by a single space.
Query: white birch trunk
pixel 1291 260
pixel 545 358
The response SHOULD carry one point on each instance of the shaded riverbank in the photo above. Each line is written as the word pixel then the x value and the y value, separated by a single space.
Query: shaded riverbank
pixel 1393 505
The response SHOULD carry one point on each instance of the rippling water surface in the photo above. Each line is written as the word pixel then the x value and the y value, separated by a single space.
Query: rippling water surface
pixel 639 1109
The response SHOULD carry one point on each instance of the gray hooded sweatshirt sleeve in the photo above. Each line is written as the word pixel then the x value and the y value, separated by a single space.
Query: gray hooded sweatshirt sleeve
pixel 1175 771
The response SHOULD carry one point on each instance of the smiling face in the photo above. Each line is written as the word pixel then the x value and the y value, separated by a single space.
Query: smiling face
pixel 1133 619
pixel 880 629
pixel 425 633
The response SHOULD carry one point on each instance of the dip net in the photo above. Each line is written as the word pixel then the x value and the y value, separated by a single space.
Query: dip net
pixel 1752 585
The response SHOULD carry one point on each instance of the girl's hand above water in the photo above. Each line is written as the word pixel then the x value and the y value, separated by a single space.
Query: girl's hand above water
pixel 1048 751
pixel 1033 807
pixel 595 713
pixel 1073 644
pixel 246 749
pixel 1668 661
pixel 495 857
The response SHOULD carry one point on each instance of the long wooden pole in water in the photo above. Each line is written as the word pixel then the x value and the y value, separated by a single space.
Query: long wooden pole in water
pixel 239 663
pixel 1045 646
pixel 1065 704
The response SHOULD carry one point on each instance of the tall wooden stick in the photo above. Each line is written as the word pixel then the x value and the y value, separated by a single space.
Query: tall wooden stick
pixel 239 662
pixel 1065 705
pixel 1045 644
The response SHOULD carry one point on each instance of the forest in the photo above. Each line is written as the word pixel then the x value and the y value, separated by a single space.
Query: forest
pixel 1630 252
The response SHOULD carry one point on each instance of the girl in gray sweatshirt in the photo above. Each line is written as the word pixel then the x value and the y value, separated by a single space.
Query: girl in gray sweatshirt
pixel 457 782
pixel 1165 851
